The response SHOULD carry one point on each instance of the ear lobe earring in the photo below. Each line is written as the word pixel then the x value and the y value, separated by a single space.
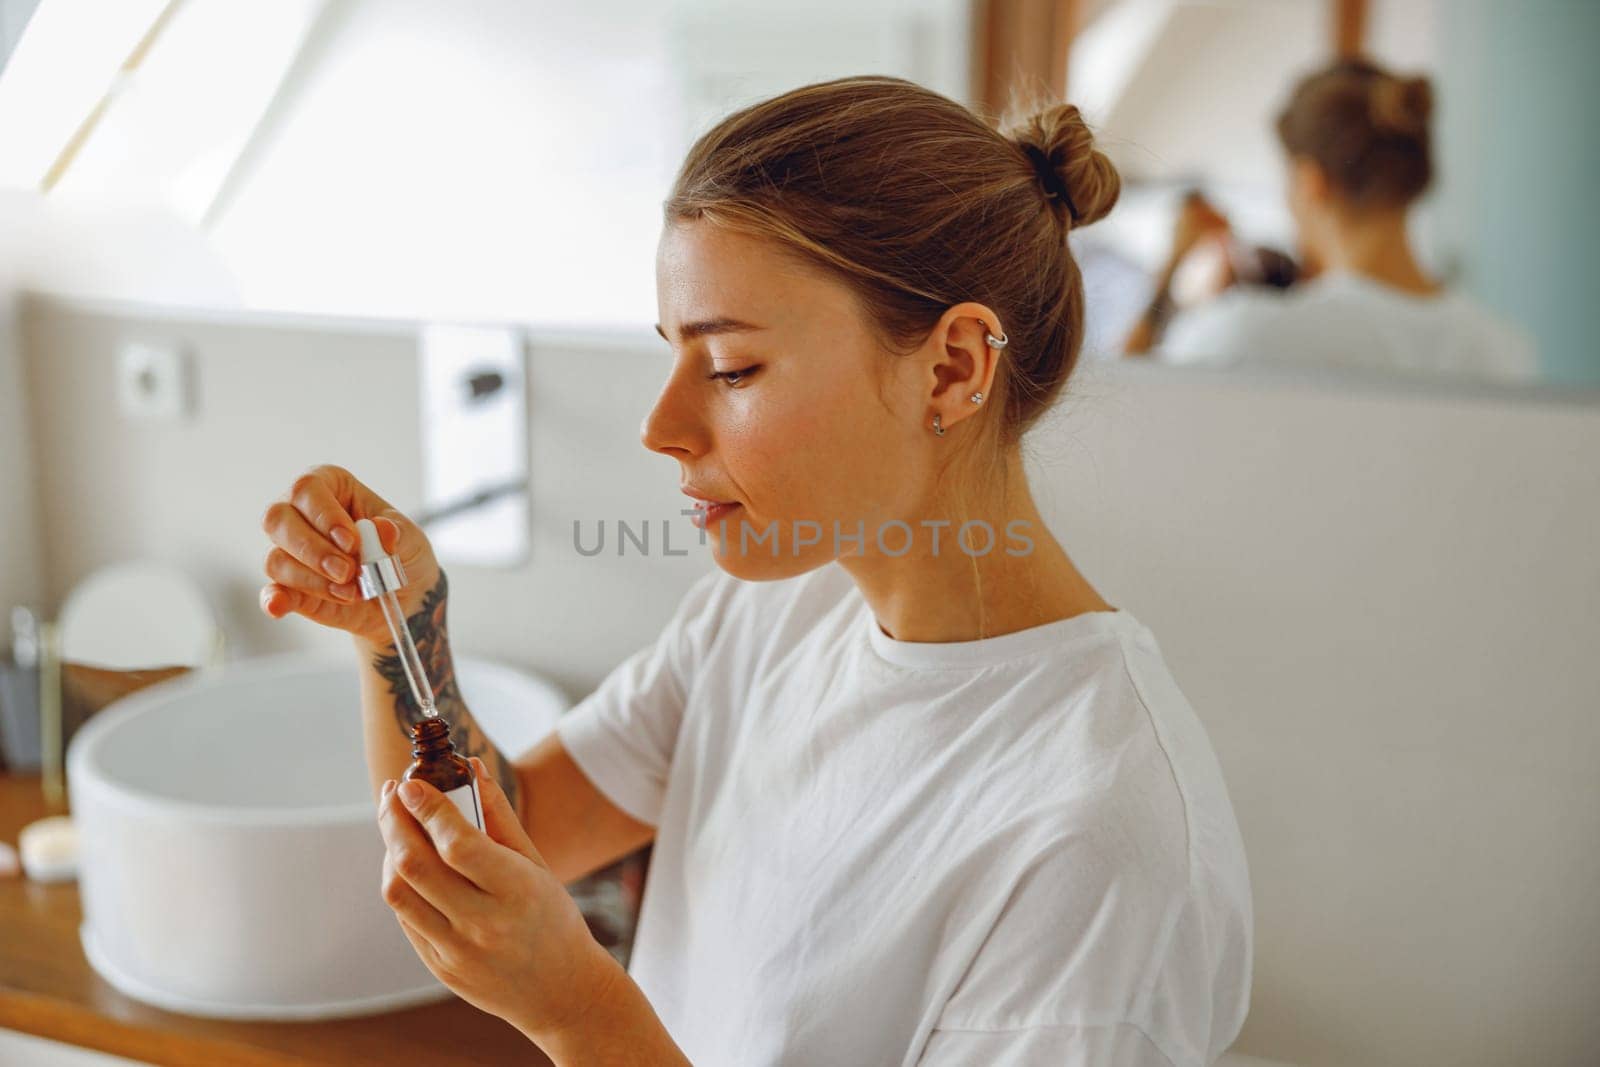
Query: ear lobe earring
pixel 976 398
pixel 938 430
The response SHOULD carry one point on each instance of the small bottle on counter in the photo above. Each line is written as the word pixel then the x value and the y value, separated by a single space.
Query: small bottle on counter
pixel 437 764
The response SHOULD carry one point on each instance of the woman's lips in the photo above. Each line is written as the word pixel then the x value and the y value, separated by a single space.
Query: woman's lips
pixel 707 513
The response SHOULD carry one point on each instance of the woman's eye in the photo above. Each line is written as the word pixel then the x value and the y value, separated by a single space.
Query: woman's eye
pixel 732 377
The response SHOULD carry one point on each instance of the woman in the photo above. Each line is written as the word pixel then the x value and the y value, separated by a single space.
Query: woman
pixel 913 800
pixel 1359 154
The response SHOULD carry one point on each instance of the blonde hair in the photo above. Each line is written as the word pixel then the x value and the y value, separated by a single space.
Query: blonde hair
pixel 1367 129
pixel 917 204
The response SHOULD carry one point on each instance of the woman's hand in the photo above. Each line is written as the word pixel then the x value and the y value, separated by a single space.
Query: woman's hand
pixel 1197 220
pixel 486 914
pixel 316 554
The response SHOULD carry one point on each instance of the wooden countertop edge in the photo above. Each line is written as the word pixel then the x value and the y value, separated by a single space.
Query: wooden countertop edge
pixel 75 1025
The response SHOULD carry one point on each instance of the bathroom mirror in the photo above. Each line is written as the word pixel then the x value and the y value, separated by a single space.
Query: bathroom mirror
pixel 133 616
pixel 124 627
pixel 472 387
pixel 1185 97
pixel 286 157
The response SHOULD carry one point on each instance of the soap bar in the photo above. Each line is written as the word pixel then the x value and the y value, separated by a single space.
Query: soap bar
pixel 49 849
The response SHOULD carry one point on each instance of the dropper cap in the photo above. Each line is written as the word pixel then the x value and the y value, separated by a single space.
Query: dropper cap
pixel 371 543
pixel 380 573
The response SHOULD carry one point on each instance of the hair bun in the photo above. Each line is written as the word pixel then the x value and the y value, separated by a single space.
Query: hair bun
pixel 1058 143
pixel 1401 105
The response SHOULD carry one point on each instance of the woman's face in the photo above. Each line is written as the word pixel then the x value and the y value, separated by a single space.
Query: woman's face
pixel 781 401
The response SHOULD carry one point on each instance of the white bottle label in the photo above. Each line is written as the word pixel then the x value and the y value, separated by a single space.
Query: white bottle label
pixel 465 798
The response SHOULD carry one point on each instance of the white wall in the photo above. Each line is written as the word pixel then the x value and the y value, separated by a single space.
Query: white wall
pixel 1381 602
pixel 1202 103
pixel 90 251
pixel 1181 89
pixel 512 158
pixel 483 159
pixel 277 398
pixel 1383 605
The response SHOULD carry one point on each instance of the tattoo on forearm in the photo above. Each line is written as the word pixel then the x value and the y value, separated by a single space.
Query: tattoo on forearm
pixel 428 632
pixel 1159 312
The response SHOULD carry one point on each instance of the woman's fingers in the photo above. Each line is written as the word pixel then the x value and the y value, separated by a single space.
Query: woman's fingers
pixel 417 861
pixel 328 497
pixel 289 572
pixel 315 520
pixel 290 577
pixel 290 531
pixel 409 906
pixel 388 533
pixel 275 600
pixel 500 818
pixel 425 950
pixel 315 564
pixel 278 601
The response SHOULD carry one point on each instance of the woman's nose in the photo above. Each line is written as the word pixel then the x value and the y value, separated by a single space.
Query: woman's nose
pixel 672 425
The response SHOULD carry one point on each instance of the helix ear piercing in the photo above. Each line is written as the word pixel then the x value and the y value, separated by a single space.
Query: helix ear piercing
pixel 996 342
pixel 976 398
pixel 938 430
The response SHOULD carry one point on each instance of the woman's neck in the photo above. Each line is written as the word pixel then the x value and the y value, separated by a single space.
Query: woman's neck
pixel 951 594
pixel 1376 247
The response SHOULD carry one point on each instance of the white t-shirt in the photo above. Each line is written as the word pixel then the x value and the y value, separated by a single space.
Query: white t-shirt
pixel 1343 319
pixel 1014 852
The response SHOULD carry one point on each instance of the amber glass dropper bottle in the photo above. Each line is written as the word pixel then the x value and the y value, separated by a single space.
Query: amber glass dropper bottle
pixel 437 764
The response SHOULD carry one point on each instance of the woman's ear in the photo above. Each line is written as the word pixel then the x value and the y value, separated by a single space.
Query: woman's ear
pixel 964 362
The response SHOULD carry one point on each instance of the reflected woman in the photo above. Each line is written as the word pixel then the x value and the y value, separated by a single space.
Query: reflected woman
pixel 1359 153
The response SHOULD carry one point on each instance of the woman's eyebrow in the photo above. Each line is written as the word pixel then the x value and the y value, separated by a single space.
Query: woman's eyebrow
pixel 707 327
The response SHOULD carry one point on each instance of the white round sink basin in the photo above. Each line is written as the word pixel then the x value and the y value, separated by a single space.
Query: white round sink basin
pixel 230 863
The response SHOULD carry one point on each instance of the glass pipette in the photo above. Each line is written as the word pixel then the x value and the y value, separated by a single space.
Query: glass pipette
pixel 381 576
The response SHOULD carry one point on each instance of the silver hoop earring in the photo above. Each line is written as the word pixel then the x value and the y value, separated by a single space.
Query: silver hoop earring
pixel 937 429
pixel 996 342
pixel 976 398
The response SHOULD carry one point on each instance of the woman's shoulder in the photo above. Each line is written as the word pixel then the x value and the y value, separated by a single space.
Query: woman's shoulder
pixel 1143 752
pixel 1509 349
pixel 1481 340
pixel 1186 751
pixel 1218 331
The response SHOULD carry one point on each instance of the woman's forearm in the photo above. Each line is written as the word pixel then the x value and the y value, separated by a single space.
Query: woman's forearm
pixel 389 709
pixel 1152 323
pixel 619 1026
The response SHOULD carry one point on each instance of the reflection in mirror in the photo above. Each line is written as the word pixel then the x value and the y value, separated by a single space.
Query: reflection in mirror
pixel 124 627
pixel 1423 210
pixel 1311 184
